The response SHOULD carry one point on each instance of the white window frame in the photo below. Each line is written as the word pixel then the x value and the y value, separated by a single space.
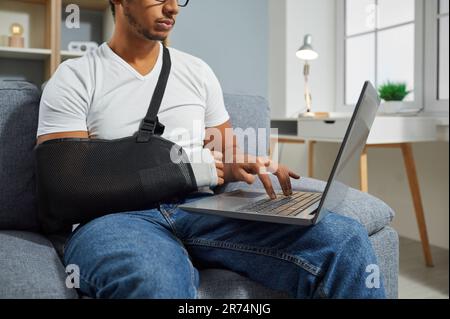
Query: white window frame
pixel 418 102
pixel 433 105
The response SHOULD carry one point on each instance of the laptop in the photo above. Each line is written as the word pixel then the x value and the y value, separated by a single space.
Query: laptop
pixel 300 208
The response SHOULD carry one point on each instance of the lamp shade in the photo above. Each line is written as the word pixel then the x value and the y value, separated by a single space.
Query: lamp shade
pixel 306 52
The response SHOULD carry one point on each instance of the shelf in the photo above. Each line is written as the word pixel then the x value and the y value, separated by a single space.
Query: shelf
pixel 70 55
pixel 34 1
pixel 99 5
pixel 24 53
pixel 45 27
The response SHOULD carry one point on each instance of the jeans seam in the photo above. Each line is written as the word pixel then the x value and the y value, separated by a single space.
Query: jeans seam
pixel 321 291
pixel 278 254
pixel 191 267
pixel 321 288
pixel 166 214
pixel 169 220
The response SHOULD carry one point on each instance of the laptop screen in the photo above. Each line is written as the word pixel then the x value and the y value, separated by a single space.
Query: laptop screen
pixel 351 148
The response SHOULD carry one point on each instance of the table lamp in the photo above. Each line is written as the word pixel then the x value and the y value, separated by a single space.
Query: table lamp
pixel 307 53
pixel 16 39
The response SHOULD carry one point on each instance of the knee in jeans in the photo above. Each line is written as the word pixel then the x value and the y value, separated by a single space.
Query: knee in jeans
pixel 341 229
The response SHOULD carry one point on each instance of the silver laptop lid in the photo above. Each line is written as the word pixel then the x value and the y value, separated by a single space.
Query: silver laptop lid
pixel 351 148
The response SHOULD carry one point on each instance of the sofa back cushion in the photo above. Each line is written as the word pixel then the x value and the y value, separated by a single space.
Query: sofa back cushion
pixel 250 114
pixel 19 108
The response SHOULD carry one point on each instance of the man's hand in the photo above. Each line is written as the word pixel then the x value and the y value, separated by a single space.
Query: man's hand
pixel 246 167
pixel 218 157
pixel 221 140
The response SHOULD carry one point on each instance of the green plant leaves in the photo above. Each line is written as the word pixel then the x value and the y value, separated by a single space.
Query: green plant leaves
pixel 393 91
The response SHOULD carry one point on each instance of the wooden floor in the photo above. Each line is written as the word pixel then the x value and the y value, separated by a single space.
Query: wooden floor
pixel 416 281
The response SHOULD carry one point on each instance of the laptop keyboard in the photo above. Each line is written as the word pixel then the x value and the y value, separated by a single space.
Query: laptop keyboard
pixel 284 205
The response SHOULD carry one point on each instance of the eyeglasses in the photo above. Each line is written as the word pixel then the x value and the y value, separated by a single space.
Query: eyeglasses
pixel 181 3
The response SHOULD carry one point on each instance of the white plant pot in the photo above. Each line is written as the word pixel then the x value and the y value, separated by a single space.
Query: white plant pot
pixel 391 107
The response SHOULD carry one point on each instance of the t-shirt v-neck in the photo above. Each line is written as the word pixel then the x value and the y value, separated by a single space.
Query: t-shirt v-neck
pixel 155 71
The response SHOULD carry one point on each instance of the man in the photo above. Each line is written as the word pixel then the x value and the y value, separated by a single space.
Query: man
pixel 157 253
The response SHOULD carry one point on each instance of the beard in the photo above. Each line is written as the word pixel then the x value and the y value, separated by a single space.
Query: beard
pixel 139 29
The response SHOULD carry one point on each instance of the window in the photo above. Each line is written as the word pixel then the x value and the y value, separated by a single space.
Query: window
pixel 379 45
pixel 443 56
pixel 394 40
pixel 437 55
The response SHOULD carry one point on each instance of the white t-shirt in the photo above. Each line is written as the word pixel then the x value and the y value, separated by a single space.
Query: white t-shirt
pixel 104 95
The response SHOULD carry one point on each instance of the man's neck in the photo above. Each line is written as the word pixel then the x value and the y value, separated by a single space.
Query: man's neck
pixel 141 54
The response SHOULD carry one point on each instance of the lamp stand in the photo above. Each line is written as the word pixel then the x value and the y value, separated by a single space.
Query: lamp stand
pixel 308 98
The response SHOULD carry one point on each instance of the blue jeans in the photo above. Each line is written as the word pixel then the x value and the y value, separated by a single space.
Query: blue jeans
pixel 157 253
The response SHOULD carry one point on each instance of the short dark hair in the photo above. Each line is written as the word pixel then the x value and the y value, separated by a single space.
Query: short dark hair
pixel 113 8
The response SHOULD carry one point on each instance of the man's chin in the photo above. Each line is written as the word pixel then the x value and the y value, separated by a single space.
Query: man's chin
pixel 155 36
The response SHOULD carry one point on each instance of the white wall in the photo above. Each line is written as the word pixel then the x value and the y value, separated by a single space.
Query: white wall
pixel 231 36
pixel 387 178
pixel 290 20
pixel 277 57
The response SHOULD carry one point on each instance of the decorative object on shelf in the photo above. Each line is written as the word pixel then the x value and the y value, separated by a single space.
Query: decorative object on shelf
pixel 16 39
pixel 3 40
pixel 307 53
pixel 393 94
pixel 82 46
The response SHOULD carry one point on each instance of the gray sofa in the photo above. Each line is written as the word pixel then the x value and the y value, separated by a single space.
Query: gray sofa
pixel 29 264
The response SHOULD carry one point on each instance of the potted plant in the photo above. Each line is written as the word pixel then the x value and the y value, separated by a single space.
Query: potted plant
pixel 393 94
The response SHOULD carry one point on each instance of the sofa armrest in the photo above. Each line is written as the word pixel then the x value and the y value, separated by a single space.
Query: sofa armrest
pixel 31 268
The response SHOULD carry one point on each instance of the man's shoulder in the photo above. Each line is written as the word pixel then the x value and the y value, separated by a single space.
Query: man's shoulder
pixel 83 65
pixel 76 73
pixel 187 59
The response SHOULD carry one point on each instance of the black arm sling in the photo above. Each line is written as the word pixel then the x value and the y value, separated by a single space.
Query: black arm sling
pixel 82 179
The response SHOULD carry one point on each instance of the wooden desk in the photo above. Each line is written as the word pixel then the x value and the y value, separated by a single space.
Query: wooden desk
pixel 387 132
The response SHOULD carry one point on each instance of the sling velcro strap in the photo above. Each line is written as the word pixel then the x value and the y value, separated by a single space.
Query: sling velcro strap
pixel 149 128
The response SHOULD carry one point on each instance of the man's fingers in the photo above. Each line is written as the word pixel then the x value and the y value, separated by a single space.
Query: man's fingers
pixel 288 181
pixel 285 184
pixel 220 181
pixel 289 185
pixel 220 173
pixel 283 174
pixel 220 165
pixel 294 175
pixel 246 177
pixel 218 156
pixel 265 179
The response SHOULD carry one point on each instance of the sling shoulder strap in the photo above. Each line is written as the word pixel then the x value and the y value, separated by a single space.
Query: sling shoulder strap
pixel 150 125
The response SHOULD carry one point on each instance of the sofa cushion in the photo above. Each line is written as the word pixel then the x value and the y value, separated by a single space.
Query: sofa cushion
pixel 385 245
pixel 370 211
pixel 248 114
pixel 225 284
pixel 19 108
pixel 30 268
